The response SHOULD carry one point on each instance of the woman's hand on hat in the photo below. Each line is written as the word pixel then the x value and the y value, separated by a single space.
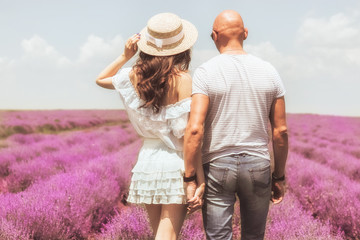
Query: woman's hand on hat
pixel 131 46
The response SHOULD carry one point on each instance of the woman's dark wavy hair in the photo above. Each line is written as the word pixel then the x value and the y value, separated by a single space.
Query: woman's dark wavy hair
pixel 153 73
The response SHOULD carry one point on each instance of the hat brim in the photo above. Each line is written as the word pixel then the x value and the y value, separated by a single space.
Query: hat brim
pixel 190 37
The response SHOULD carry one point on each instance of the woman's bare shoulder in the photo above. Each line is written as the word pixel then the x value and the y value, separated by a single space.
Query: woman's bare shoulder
pixel 184 78
pixel 184 85
pixel 133 77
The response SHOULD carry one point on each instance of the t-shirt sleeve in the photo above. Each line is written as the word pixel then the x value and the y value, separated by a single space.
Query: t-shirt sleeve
pixel 199 83
pixel 279 86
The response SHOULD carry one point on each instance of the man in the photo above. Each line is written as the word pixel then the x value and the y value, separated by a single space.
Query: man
pixel 234 96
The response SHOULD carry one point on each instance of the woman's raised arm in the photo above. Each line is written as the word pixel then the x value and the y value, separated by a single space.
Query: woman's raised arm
pixel 105 77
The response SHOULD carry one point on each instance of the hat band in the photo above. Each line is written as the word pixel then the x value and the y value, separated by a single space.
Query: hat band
pixel 164 42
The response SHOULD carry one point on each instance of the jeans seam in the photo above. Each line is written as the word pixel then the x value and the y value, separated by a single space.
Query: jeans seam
pixel 223 180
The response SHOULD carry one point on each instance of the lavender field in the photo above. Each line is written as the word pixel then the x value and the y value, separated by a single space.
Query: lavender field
pixel 65 174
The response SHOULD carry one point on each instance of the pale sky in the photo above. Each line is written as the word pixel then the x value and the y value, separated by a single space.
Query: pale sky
pixel 52 51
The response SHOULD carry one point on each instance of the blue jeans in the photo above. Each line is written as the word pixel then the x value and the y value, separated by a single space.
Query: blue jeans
pixel 250 178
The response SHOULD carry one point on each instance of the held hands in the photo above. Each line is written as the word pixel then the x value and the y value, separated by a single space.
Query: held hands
pixel 194 195
pixel 278 191
pixel 131 46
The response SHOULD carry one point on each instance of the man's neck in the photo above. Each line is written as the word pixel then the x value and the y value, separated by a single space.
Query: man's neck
pixel 232 50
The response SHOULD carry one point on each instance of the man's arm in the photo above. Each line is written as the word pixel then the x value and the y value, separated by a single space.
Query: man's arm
pixel 280 146
pixel 194 133
pixel 192 150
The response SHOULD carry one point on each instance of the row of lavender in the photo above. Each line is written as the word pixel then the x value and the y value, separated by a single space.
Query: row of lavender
pixel 32 157
pixel 82 174
pixel 12 122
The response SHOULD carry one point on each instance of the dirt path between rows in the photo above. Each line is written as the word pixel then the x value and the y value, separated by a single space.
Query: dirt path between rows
pixel 3 185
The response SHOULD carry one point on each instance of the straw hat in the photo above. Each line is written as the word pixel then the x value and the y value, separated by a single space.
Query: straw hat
pixel 167 34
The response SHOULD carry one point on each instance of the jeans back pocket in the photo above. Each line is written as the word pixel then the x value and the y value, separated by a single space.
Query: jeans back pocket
pixel 215 177
pixel 261 178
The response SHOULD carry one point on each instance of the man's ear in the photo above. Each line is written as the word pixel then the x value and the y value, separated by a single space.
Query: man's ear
pixel 214 35
pixel 246 32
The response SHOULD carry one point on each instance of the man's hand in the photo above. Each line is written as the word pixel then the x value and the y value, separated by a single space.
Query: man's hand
pixel 278 191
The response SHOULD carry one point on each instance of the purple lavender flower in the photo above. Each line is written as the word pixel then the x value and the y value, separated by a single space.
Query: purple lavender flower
pixel 8 231
pixel 130 224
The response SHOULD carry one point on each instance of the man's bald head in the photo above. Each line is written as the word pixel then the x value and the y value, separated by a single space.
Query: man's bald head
pixel 228 28
pixel 228 19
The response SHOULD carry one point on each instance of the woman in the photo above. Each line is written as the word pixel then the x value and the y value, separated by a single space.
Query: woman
pixel 156 93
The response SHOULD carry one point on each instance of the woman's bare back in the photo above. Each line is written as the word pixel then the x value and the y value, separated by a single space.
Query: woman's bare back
pixel 179 87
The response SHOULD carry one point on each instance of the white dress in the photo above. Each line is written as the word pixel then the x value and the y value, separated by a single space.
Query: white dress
pixel 157 177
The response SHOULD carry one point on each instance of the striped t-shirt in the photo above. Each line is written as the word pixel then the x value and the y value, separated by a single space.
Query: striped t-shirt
pixel 241 89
